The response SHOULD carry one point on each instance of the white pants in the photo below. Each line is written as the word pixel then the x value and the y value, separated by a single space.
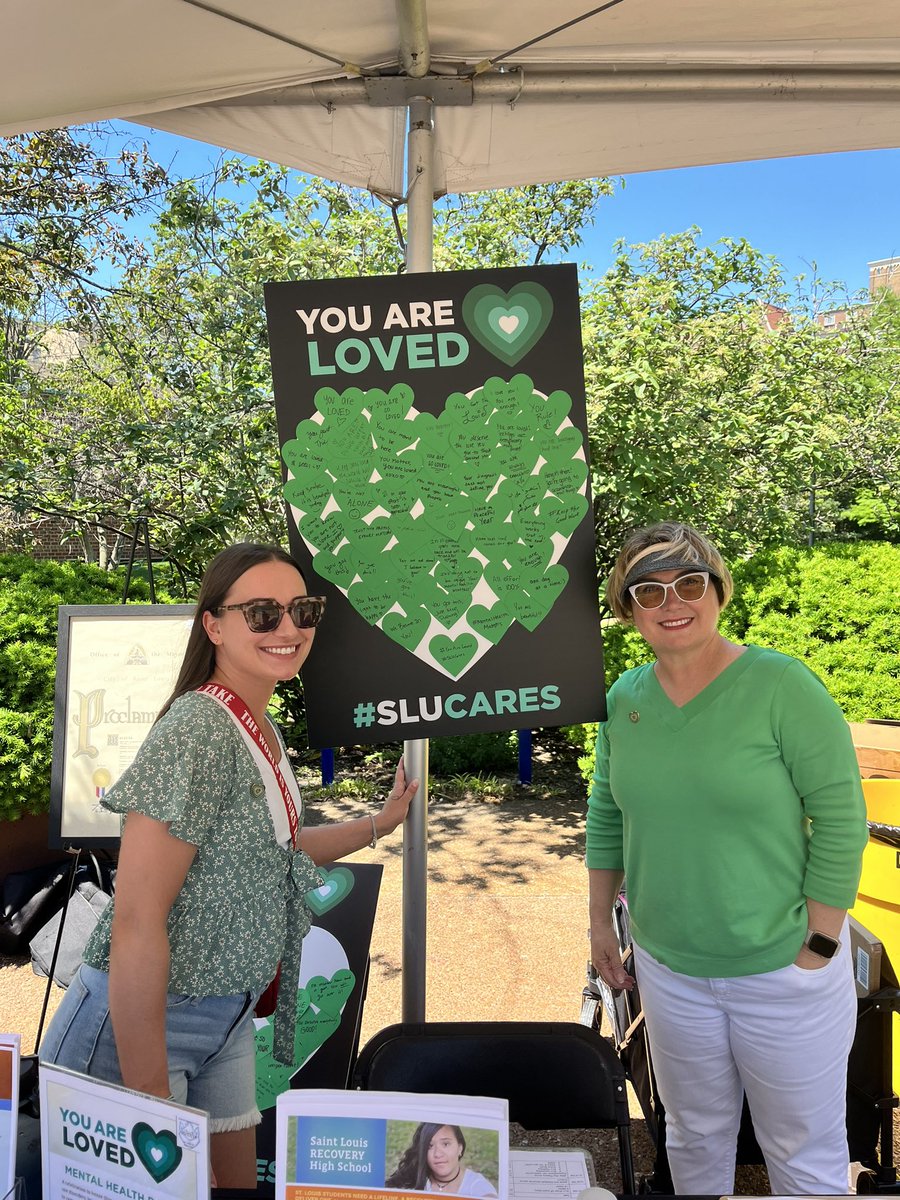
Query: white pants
pixel 784 1038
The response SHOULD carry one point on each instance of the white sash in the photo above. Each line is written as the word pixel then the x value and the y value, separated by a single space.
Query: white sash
pixel 282 790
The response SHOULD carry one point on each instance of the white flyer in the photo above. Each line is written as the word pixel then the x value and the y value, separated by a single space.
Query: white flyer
pixel 9 1109
pixel 103 1141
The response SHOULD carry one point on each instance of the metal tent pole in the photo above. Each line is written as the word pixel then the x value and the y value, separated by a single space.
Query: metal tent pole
pixel 419 258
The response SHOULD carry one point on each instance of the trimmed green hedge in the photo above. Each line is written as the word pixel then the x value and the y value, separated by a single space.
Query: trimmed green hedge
pixel 30 593
pixel 835 607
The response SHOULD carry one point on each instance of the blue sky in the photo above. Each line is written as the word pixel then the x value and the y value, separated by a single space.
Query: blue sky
pixel 839 211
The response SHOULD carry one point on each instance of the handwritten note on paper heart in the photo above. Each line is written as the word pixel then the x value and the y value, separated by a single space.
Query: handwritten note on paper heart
pixel 430 522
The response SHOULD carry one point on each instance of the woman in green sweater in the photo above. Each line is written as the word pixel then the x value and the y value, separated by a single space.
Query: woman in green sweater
pixel 727 791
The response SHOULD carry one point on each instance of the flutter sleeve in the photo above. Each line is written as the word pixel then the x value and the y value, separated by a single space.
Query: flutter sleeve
pixel 182 772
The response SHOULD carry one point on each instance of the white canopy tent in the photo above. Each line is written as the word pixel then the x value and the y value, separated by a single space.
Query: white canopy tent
pixel 492 95
pixel 640 84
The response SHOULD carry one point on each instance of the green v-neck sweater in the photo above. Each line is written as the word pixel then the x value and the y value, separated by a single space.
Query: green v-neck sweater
pixel 727 813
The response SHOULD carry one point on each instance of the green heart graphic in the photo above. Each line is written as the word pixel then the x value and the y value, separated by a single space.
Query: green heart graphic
pixel 407 630
pixel 311 1031
pixel 330 995
pixel 491 623
pixel 158 1151
pixel 427 515
pixel 454 653
pixel 508 324
pixel 335 886
pixel 339 569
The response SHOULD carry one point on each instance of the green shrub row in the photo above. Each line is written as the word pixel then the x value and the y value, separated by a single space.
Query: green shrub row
pixel 30 594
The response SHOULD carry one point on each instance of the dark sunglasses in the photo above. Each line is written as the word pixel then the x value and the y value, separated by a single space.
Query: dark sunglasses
pixel 264 616
pixel 689 588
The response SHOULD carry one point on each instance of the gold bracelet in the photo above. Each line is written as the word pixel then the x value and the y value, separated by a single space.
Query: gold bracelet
pixel 374 841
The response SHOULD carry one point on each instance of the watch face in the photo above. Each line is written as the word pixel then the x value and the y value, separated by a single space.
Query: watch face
pixel 823 945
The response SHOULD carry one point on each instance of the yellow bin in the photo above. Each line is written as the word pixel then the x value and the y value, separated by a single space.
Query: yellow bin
pixel 878 902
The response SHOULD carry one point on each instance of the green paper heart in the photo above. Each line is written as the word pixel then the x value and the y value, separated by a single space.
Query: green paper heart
pixel 408 630
pixel 324 535
pixel 311 1031
pixel 530 526
pixel 336 886
pixel 339 408
pixel 449 519
pixel 453 654
pixel 371 599
pixel 458 574
pixel 563 516
pixel 479 479
pixel 158 1151
pixel 339 569
pixel 369 538
pixel 565 477
pixel 309 491
pixel 491 623
pixel 508 324
pixel 350 443
pixel 330 995
pixel 473 443
pixel 447 607
pixel 531 559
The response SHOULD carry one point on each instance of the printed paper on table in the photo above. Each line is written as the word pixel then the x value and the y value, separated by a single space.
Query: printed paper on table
pixel 9 1109
pixel 100 1140
pixel 337 1145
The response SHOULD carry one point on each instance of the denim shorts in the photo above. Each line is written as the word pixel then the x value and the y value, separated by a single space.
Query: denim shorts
pixel 209 1043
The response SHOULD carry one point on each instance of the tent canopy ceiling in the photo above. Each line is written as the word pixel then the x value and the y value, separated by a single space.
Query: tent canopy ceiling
pixel 322 87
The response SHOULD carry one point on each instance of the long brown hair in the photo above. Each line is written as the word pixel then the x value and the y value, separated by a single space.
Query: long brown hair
pixel 223 572
pixel 412 1170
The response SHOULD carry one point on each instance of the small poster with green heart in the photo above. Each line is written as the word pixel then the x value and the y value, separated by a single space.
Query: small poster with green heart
pixel 100 1140
pixel 437 482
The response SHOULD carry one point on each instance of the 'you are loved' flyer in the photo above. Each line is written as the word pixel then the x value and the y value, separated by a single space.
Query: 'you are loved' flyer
pixel 100 1140
pixel 336 1145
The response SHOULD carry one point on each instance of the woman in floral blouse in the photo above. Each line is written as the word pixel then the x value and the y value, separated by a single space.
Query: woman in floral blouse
pixel 213 868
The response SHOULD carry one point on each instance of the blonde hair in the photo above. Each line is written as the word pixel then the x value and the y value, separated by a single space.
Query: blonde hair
pixel 666 540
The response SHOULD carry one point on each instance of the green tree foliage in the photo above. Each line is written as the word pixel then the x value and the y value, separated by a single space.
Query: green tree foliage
pixel 698 411
pixel 168 411
pixel 63 203
pixel 834 608
pixel 30 593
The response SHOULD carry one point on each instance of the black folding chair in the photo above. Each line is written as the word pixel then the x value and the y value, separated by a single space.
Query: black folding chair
pixel 555 1075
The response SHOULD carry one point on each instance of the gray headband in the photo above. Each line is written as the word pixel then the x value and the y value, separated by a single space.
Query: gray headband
pixel 663 561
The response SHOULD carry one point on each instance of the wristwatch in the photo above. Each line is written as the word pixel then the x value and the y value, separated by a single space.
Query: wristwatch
pixel 821 943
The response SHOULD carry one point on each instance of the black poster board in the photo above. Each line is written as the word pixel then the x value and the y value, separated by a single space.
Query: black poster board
pixel 434 447
pixel 334 970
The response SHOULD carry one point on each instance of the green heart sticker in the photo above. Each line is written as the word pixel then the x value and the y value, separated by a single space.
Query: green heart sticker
pixel 453 654
pixel 339 569
pixel 408 630
pixel 157 1150
pixel 508 324
pixel 563 516
pixel 491 623
pixel 324 535
pixel 339 408
pixel 336 886
pixel 330 995
pixel 448 607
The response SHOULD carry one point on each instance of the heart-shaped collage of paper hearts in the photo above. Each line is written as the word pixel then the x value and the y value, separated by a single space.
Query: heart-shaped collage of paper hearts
pixel 442 531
